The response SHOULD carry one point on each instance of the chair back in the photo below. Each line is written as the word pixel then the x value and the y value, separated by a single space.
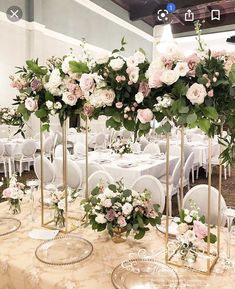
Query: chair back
pixel 199 195
pixel 175 150
pixel 143 143
pixel 99 177
pixel 94 167
pixel 79 148
pixel 2 149
pixel 100 139
pixel 176 175
pixel 48 145
pixel 152 148
pixel 29 148
pixel 188 165
pixel 59 151
pixel 48 170
pixel 154 186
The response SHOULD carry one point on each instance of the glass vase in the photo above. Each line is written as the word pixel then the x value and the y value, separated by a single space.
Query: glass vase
pixel 14 207
pixel 59 218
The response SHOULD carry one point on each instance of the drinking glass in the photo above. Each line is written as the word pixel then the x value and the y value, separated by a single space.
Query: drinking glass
pixel 230 215
pixel 32 184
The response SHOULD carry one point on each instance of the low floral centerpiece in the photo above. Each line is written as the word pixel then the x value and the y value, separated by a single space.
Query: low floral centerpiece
pixel 121 147
pixel 119 210
pixel 192 233
pixel 14 194
pixel 11 117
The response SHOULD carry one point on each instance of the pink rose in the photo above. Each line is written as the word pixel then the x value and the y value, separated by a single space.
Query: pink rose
pixel 144 88
pixel 119 105
pixel 6 194
pixel 75 89
pixel 110 215
pixel 87 82
pixel 18 83
pixel 168 61
pixel 210 93
pixel 155 79
pixel 120 78
pixel 144 115
pixel 121 221
pixel 88 109
pixel 199 229
pixel 192 61
pixel 31 104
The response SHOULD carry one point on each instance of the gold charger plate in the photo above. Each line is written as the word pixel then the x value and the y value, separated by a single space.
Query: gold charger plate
pixel 9 225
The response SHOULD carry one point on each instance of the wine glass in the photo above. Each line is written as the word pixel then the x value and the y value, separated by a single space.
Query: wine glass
pixel 230 215
pixel 32 184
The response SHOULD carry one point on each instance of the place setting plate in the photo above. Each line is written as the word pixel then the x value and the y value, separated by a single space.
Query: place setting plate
pixel 65 250
pixel 172 229
pixel 9 225
pixel 144 273
pixel 126 164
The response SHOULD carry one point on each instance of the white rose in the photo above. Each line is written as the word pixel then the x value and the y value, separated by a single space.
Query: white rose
pixel 116 63
pixel 55 79
pixel 100 219
pixel 87 82
pixel 107 203
pixel 131 61
pixel 182 68
pixel 57 105
pixel 69 98
pixel 61 204
pixel 188 219
pixel 14 194
pixel 134 194
pixel 133 73
pixel 182 228
pixel 127 208
pixel 107 96
pixel 139 57
pixel 102 57
pixel 189 236
pixel 139 97
pixel 49 104
pixel 196 93
pixel 169 77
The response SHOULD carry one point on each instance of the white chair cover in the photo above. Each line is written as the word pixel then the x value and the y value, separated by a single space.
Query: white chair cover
pixel 154 186
pixel 175 150
pixel 79 148
pixel 59 151
pixel 152 148
pixel 199 195
pixel 48 170
pixel 94 167
pixel 188 167
pixel 99 177
pixel 29 148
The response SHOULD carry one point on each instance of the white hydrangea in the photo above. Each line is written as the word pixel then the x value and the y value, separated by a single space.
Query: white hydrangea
pixel 163 102
pixel 49 104
pixel 127 208
pixel 100 219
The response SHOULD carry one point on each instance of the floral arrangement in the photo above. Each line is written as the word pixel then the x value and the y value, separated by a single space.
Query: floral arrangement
pixel 121 147
pixel 58 204
pixel 192 232
pixel 14 194
pixel 10 116
pixel 118 209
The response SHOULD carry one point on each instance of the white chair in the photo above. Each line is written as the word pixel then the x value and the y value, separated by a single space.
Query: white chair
pixel 48 170
pixel 97 178
pixel 152 148
pixel 173 185
pixel 187 169
pixel 100 141
pixel 143 143
pixel 126 134
pixel 2 158
pixel 59 151
pixel 199 195
pixel 154 186
pixel 72 130
pixel 162 146
pixel 74 173
pixel 59 137
pixel 94 167
pixel 27 155
pixel 48 147
pixel 79 149
pixel 136 147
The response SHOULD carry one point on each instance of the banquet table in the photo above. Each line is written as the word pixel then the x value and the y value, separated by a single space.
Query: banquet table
pixel 20 269
pixel 140 164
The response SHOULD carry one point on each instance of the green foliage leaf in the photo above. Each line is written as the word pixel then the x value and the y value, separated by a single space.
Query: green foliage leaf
pixel 211 112
pixel 113 188
pixel 129 125
pixel 35 68
pixel 95 191
pixel 78 67
pixel 232 75
pixel 184 109
pixel 41 113
pixel 191 118
pixel 213 238
pixel 140 234
pixel 127 193
pixel 204 124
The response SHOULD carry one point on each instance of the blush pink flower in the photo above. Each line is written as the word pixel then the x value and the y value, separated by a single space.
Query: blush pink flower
pixel 110 215
pixel 31 104
pixel 87 82
pixel 144 115
pixel 18 83
pixel 88 109
pixel 121 221
pixel 155 79
pixel 199 229
pixel 210 93
pixel 119 105
pixel 192 61
pixel 6 194
pixel 168 61
pixel 144 88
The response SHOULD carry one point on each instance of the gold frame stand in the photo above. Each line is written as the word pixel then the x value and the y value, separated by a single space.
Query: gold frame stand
pixel 207 258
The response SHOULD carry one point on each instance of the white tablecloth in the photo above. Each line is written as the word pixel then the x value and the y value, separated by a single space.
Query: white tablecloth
pixel 143 164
